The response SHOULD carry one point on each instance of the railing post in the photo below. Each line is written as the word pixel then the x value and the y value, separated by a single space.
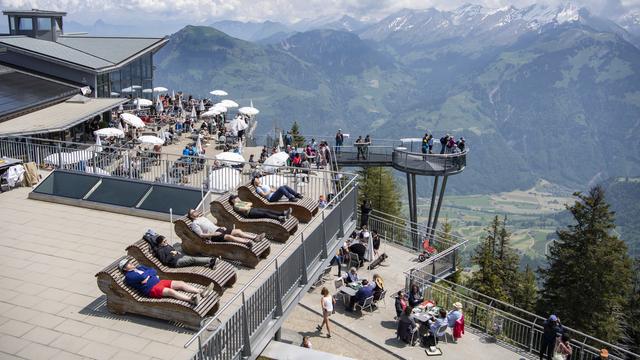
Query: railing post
pixel 341 227
pixel 28 148
pixel 246 346
pixel 533 332
pixel 303 278
pixel 59 156
pixel 278 292
pixel 324 239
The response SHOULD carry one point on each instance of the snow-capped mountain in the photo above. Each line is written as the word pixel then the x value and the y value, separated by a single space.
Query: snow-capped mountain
pixel 499 26
pixel 631 22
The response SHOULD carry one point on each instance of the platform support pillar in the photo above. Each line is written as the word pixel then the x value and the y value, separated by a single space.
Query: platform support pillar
pixel 440 197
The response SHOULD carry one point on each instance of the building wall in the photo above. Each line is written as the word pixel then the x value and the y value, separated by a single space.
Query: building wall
pixel 47 68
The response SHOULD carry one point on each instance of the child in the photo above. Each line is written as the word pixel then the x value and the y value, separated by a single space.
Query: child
pixel 306 343
pixel 322 202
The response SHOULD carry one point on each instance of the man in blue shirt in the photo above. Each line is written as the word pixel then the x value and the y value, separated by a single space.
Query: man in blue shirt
pixel 360 296
pixel 146 281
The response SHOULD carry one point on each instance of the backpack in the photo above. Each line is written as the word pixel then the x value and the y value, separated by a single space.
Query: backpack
pixel 443 140
pixel 150 237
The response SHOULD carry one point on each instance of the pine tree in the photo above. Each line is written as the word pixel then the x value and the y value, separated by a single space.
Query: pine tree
pixel 377 184
pixel 487 279
pixel 588 281
pixel 633 312
pixel 527 290
pixel 298 140
pixel 447 230
pixel 507 262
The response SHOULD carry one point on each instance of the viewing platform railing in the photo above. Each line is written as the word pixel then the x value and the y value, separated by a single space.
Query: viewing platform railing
pixel 506 324
pixel 429 164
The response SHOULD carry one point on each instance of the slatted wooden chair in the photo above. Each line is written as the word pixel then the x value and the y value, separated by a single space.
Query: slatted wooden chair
pixel 224 274
pixel 193 244
pixel 304 209
pixel 274 229
pixel 122 299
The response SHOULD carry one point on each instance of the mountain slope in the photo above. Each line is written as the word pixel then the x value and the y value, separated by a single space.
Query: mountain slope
pixel 251 31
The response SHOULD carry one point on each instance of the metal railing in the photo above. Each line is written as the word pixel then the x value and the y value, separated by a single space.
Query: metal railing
pixel 429 163
pixel 261 302
pixel 505 323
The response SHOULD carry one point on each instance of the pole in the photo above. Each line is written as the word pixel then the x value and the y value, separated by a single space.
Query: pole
pixel 171 223
pixel 435 219
pixel 433 201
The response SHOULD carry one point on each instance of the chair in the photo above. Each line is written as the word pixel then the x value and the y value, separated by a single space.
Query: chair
pixel 368 303
pixel 354 261
pixel 338 284
pixel 304 209
pixel 382 298
pixel 441 333
pixel 321 277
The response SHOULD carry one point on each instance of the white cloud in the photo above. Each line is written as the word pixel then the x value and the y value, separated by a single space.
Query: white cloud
pixel 205 11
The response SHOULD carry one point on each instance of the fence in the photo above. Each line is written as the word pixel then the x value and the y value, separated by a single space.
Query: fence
pixel 447 163
pixel 505 323
pixel 256 307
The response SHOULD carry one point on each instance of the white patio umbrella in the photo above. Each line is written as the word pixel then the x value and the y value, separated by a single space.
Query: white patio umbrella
pixel 98 171
pixel 220 108
pixel 142 102
pixel 211 113
pixel 249 111
pixel 132 120
pixel 151 140
pixel 70 157
pixel 128 89
pixel 193 112
pixel 160 89
pixel 147 91
pixel 107 132
pixel 136 87
pixel 224 179
pixel 229 103
pixel 275 160
pixel 230 158
pixel 113 93
pixel 218 93
pixel 201 106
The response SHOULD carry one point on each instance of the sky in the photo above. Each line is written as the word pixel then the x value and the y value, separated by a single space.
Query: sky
pixel 130 12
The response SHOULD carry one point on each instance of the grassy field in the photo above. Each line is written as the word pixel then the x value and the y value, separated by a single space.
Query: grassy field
pixel 530 217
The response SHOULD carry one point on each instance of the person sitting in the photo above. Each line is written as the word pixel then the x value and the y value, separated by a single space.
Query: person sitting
pixel 401 303
pixel 359 249
pixel 246 209
pixel 361 295
pixel 415 296
pixel 171 257
pixel 407 327
pixel 272 194
pixel 437 322
pixel 378 287
pixel 351 276
pixel 252 163
pixel 322 202
pixel 146 281
pixel 206 229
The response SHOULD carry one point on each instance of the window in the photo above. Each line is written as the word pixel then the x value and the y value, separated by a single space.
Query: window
pixel 12 23
pixel 119 192
pixel 44 24
pixel 67 185
pixel 162 198
pixel 26 24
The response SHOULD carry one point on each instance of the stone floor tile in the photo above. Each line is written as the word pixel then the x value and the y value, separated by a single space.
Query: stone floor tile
pixel 131 342
pixel 38 352
pixel 11 344
pixel 160 350
pixel 101 335
pixel 70 343
pixel 15 328
pixel 98 351
pixel 41 335
pixel 73 327
pixel 46 320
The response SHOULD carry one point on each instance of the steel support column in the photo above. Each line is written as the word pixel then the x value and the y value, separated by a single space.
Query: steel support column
pixel 440 197
pixel 415 237
pixel 433 200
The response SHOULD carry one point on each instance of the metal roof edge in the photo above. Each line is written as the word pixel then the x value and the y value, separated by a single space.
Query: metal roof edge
pixel 153 47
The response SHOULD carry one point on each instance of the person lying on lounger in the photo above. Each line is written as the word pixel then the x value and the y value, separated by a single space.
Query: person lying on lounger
pixel 246 209
pixel 206 229
pixel 171 257
pixel 272 194
pixel 146 281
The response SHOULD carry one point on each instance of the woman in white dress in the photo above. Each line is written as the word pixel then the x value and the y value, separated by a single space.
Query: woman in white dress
pixel 327 303
pixel 365 238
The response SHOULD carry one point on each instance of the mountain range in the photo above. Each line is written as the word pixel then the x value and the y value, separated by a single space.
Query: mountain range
pixel 539 92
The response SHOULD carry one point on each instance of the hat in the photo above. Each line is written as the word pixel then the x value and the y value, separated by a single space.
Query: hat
pixel 457 305
pixel 123 263
pixel 379 282
pixel 553 318
pixel 604 353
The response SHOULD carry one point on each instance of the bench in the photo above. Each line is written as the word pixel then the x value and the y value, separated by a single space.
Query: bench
pixel 224 274
pixel 274 229
pixel 382 257
pixel 193 244
pixel 122 299
pixel 304 209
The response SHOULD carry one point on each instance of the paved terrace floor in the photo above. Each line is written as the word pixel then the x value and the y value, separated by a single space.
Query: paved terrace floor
pixel 371 335
pixel 50 305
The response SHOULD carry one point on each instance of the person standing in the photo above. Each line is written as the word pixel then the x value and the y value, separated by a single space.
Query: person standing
pixel 365 211
pixel 326 302
pixel 443 143
pixel 551 329
pixel 425 143
pixel 339 141
pixel 563 347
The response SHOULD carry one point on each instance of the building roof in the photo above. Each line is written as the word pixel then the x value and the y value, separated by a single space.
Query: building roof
pixel 58 117
pixel 33 12
pixel 94 54
pixel 21 91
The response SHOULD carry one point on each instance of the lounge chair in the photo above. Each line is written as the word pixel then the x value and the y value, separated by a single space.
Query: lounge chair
pixel 224 274
pixel 275 230
pixel 304 209
pixel 193 244
pixel 122 299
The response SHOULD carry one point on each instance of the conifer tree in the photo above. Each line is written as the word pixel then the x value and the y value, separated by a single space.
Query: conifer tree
pixel 527 290
pixel 633 312
pixel 588 281
pixel 487 279
pixel 447 230
pixel 377 184
pixel 507 262
pixel 298 140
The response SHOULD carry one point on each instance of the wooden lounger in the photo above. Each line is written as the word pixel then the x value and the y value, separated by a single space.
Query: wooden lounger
pixel 193 244
pixel 304 209
pixel 122 299
pixel 275 230
pixel 224 274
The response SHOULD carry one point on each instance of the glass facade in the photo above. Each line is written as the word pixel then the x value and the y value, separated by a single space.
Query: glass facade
pixel 138 72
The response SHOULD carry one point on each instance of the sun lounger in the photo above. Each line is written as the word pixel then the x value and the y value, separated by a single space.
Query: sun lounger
pixel 122 299
pixel 304 209
pixel 193 244
pixel 224 274
pixel 275 230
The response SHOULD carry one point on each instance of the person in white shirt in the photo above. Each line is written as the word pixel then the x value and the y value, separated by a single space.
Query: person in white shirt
pixel 351 276
pixel 206 229
pixel 326 303
pixel 272 194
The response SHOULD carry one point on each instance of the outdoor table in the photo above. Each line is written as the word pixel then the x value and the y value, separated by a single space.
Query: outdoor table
pixel 348 290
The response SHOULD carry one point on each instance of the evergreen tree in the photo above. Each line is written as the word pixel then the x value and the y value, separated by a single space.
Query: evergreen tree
pixel 487 279
pixel 588 281
pixel 507 262
pixel 527 290
pixel 447 230
pixel 298 140
pixel 633 312
pixel 377 184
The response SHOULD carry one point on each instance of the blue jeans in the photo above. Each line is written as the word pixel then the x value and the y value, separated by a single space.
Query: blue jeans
pixel 285 191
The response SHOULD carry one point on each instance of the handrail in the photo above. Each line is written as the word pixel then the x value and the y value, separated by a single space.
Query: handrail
pixel 348 186
pixel 453 287
pixel 409 222
pixel 445 155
